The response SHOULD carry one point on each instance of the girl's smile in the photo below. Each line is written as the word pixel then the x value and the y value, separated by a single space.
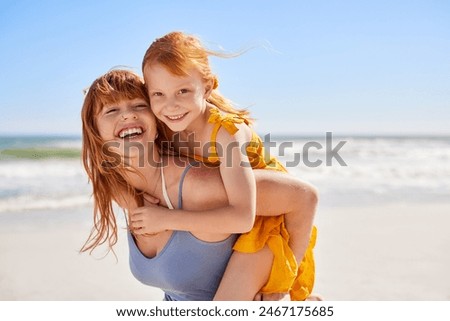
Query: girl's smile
pixel 178 101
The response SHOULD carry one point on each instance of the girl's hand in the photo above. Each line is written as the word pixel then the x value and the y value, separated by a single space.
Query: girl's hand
pixel 148 220
pixel 150 199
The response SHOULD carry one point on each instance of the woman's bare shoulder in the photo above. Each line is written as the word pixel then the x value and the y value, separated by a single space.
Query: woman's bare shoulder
pixel 203 187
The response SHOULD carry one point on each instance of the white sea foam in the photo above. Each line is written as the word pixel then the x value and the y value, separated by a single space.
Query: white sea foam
pixel 39 184
pixel 378 169
pixel 35 202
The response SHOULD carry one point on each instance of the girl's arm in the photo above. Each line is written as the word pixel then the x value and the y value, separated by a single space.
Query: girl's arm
pixel 240 189
pixel 277 193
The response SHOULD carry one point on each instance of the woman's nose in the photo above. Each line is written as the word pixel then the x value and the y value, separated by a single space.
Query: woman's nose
pixel 129 114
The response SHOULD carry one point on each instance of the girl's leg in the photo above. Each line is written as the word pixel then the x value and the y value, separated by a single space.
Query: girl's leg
pixel 279 192
pixel 245 275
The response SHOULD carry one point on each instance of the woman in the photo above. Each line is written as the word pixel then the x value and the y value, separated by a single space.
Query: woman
pixel 126 166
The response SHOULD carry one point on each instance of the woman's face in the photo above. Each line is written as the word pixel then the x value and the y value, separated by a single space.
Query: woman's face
pixel 127 126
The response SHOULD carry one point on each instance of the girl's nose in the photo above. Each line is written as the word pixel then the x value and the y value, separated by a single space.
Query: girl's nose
pixel 172 104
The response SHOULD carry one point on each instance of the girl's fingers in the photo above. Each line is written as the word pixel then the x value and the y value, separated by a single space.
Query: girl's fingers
pixel 149 234
pixel 137 210
pixel 151 199
pixel 142 232
pixel 138 232
pixel 136 216
pixel 137 224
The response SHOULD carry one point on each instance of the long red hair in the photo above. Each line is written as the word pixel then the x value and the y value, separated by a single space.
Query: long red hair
pixel 108 182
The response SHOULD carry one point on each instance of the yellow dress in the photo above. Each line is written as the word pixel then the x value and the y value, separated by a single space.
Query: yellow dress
pixel 285 275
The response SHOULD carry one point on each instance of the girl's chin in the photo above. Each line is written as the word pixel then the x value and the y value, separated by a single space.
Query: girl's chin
pixel 176 127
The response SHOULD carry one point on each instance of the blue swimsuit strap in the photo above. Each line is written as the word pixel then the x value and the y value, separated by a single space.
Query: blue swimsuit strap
pixel 180 186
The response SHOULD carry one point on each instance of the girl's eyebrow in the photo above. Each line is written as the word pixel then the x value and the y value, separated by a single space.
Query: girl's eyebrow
pixel 183 83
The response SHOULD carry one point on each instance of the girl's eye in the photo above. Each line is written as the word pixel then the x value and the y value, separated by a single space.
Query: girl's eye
pixel 183 91
pixel 157 94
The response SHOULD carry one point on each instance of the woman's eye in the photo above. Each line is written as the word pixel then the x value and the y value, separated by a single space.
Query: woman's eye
pixel 183 91
pixel 111 110
pixel 157 94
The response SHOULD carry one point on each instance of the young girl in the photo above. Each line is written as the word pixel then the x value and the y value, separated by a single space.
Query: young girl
pixel 183 95
pixel 187 266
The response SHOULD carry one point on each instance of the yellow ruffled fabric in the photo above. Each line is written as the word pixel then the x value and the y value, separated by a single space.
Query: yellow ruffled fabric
pixel 270 230
pixel 285 275
pixel 226 121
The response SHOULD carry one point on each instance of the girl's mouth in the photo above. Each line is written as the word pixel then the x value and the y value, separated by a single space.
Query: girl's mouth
pixel 176 117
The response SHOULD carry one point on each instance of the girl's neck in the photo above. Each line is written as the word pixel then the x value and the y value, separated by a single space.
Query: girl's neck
pixel 199 127
pixel 196 136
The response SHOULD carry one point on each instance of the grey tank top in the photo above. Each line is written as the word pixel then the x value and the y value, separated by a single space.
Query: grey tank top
pixel 186 269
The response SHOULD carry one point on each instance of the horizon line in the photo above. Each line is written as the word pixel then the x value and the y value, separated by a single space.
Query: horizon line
pixel 261 134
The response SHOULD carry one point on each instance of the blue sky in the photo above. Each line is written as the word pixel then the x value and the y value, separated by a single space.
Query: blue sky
pixel 349 67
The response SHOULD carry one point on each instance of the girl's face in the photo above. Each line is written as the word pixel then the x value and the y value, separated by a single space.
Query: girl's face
pixel 178 101
pixel 127 121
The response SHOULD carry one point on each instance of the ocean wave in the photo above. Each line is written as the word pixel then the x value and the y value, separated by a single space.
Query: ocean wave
pixel 43 169
pixel 48 183
pixel 376 165
pixel 375 168
pixel 33 202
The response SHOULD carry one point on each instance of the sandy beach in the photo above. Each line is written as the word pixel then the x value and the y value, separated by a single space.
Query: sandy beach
pixel 387 252
pixel 397 251
pixel 41 260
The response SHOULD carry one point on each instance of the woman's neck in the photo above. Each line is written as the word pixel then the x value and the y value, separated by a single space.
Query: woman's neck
pixel 145 175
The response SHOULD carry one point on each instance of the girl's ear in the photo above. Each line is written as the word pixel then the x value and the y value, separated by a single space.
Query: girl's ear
pixel 209 86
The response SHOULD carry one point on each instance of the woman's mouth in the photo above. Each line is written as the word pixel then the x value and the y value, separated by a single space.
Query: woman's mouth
pixel 130 132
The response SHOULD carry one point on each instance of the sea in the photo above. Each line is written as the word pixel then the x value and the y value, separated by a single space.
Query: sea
pixel 46 172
